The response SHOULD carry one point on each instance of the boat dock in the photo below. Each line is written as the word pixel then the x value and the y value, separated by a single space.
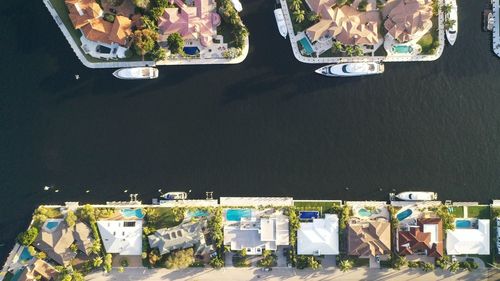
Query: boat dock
pixel 496 31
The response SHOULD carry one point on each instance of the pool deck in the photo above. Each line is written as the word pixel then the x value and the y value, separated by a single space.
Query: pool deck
pixel 294 38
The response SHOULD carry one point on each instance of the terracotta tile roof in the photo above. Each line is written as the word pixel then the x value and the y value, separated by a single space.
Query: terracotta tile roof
pixel 408 19
pixel 346 25
pixel 86 15
pixel 369 239
pixel 38 268
pixel 416 240
pixel 198 22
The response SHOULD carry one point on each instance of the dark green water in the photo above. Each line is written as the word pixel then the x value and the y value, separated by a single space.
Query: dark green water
pixel 269 126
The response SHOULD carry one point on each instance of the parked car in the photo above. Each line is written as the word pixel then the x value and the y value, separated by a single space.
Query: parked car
pixel 267 269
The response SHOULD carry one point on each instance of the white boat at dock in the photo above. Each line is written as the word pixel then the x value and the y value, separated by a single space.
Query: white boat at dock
pixel 351 69
pixel 451 33
pixel 280 21
pixel 237 5
pixel 174 195
pixel 135 73
pixel 417 196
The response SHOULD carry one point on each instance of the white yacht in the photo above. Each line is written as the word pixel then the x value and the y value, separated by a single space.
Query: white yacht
pixel 237 5
pixel 417 196
pixel 351 69
pixel 280 21
pixel 133 73
pixel 451 33
pixel 174 195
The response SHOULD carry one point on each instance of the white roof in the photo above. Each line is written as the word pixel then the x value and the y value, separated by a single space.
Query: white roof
pixel 121 237
pixel 463 241
pixel 320 237
pixel 433 230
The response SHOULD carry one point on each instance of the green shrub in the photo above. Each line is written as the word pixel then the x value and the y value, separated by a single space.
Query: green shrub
pixel 109 17
pixel 180 259
pixel 28 237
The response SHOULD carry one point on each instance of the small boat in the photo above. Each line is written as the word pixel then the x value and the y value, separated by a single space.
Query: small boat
pixel 488 20
pixel 280 21
pixel 237 5
pixel 174 195
pixel 417 196
pixel 451 33
pixel 133 73
pixel 351 69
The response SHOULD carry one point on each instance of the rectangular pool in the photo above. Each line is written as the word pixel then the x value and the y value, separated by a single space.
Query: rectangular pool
pixel 306 44
pixel 307 215
pixel 463 224
pixel 237 214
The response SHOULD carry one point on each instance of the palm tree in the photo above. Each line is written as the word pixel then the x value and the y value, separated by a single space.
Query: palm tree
pixel 299 15
pixel 345 265
pixel 337 47
pixel 96 262
pixel 358 51
pixel 296 4
pixel 349 50
pixel 454 266
pixel 446 8
pixel 448 23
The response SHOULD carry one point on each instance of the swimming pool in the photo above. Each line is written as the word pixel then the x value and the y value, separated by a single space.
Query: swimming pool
pixel 307 45
pixel 237 214
pixel 404 214
pixel 191 50
pixel 128 213
pixel 198 213
pixel 17 275
pixel 25 254
pixel 402 49
pixel 51 225
pixel 364 212
pixel 306 215
pixel 463 224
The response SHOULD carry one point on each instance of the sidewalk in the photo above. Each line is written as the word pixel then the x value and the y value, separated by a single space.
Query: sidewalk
pixel 231 274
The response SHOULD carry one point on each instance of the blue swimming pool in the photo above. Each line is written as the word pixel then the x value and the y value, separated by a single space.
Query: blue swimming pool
pixel 198 213
pixel 402 49
pixel 306 44
pixel 51 225
pixel 129 213
pixel 17 275
pixel 404 214
pixel 191 50
pixel 237 214
pixel 307 215
pixel 364 212
pixel 25 254
pixel 463 224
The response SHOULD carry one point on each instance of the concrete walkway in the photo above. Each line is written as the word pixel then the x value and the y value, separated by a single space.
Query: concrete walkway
pixel 496 29
pixel 231 274
pixel 296 52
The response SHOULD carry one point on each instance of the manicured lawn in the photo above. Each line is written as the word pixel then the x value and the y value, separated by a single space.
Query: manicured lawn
pixel 480 212
pixel 321 206
pixel 457 211
pixel 167 218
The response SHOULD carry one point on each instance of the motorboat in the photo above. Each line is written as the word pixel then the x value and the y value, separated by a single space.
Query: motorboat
pixel 280 21
pixel 417 196
pixel 351 69
pixel 174 195
pixel 488 20
pixel 135 73
pixel 451 32
pixel 498 234
pixel 237 5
